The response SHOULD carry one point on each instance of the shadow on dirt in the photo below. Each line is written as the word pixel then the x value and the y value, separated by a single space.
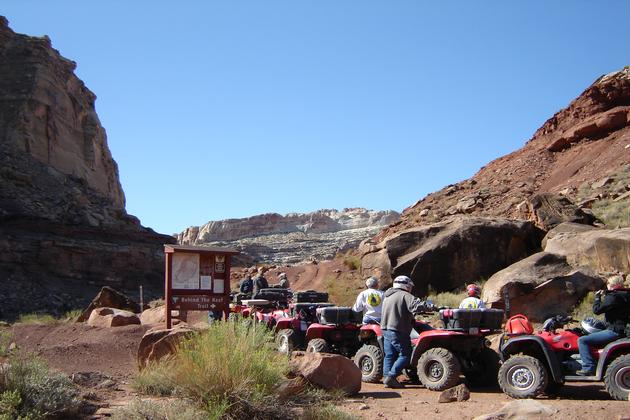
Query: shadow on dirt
pixel 380 395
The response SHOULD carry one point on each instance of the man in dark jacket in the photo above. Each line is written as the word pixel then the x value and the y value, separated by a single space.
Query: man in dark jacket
pixel 615 304
pixel 397 322
pixel 247 284
pixel 260 282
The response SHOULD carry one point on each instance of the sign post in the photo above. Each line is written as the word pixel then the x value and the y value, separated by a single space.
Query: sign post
pixel 197 278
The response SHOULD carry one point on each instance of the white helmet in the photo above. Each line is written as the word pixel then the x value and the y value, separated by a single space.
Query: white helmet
pixel 404 283
pixel 371 282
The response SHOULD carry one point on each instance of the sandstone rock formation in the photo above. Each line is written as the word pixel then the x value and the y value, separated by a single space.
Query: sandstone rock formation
pixel 328 371
pixel 112 317
pixel 158 344
pixel 449 254
pixel 548 210
pixel 604 250
pixel 109 298
pixel 540 286
pixel 294 237
pixel 64 231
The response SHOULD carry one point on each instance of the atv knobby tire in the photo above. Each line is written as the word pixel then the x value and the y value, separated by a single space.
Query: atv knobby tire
pixel 438 369
pixel 617 378
pixel 285 341
pixel 369 359
pixel 523 377
pixel 317 345
pixel 486 369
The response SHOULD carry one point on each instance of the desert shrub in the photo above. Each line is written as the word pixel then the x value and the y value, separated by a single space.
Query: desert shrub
pixel 9 403
pixel 5 342
pixel 154 381
pixel 41 392
pixel 72 315
pixel 352 262
pixel 613 213
pixel 180 409
pixel 231 369
pixel 585 308
pixel 37 318
pixel 325 412
pixel 343 290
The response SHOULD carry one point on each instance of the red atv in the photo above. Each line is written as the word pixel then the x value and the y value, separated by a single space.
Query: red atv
pixel 291 328
pixel 440 356
pixel 537 363
pixel 369 357
pixel 336 331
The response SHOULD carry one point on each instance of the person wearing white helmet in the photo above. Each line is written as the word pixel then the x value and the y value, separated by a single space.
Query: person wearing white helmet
pixel 369 302
pixel 397 322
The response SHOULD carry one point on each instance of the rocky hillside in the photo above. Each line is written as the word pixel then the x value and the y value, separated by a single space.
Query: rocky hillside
pixel 64 231
pixel 294 237
pixel 579 145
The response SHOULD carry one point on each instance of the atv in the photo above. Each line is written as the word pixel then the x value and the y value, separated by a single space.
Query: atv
pixel 541 362
pixel 369 357
pixel 336 331
pixel 290 329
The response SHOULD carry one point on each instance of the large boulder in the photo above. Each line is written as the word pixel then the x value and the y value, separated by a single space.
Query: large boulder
pixel 328 371
pixel 155 315
pixel 548 210
pixel 111 317
pixel 157 344
pixel 109 298
pixel 606 250
pixel 448 254
pixel 541 285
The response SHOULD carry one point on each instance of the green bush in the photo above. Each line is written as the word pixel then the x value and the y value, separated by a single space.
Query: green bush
pixel 352 262
pixel 37 318
pixel 34 391
pixel 585 308
pixel 231 369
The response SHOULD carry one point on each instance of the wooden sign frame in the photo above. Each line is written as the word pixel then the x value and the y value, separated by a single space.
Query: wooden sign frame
pixel 196 278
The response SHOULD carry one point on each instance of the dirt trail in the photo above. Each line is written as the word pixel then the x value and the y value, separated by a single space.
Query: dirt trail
pixel 577 401
pixel 79 348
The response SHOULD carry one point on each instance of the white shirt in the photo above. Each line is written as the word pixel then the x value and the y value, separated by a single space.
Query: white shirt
pixel 370 302
pixel 472 303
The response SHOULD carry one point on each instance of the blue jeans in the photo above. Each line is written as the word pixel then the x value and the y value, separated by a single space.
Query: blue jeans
pixel 598 339
pixel 367 319
pixel 397 347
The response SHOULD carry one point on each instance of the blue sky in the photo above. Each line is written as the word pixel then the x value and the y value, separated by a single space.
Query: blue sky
pixel 222 109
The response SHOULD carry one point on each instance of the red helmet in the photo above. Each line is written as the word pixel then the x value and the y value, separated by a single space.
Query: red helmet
pixel 473 290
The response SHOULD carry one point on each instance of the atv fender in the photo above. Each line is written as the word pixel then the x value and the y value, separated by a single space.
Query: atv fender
pixel 283 323
pixel 611 351
pixel 533 346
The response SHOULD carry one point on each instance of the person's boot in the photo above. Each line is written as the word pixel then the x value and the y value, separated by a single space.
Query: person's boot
pixel 392 382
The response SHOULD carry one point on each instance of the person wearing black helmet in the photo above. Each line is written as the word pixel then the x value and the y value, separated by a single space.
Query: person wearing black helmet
pixel 615 304
pixel 397 322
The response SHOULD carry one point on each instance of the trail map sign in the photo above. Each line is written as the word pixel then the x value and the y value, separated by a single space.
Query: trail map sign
pixel 196 279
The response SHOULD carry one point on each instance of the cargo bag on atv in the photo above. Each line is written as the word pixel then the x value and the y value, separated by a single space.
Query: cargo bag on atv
pixel 307 308
pixel 274 295
pixel 311 296
pixel 467 319
pixel 338 315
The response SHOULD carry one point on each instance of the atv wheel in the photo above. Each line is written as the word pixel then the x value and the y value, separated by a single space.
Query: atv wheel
pixel 485 370
pixel 523 377
pixel 369 359
pixel 285 341
pixel 317 345
pixel 617 378
pixel 438 369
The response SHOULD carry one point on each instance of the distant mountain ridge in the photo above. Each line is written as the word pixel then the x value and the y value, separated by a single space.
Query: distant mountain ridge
pixel 293 237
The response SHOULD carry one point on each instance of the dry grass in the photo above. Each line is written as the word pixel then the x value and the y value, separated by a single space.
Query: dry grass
pixel 343 290
pixel 585 308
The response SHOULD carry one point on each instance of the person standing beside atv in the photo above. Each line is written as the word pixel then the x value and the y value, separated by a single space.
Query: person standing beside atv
pixel 260 282
pixel 369 302
pixel 283 281
pixel 397 322
pixel 615 304
pixel 473 301
pixel 247 284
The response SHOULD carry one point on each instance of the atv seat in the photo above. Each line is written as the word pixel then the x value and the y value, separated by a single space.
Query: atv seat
pixel 467 319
